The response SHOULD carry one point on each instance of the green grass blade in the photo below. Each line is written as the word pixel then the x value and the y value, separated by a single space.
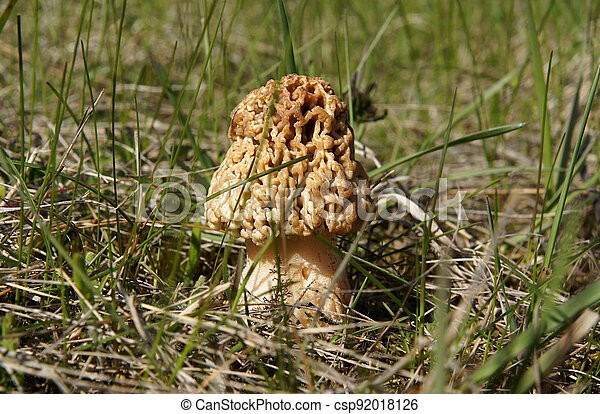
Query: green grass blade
pixel 439 380
pixel 347 66
pixel 542 162
pixel 571 123
pixel 6 13
pixel 288 46
pixel 540 84
pixel 488 133
pixel 376 40
pixel 565 313
pixel 569 177
pixel 21 131
pixel 113 114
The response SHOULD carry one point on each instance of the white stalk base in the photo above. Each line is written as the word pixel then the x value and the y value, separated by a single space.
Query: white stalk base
pixel 306 279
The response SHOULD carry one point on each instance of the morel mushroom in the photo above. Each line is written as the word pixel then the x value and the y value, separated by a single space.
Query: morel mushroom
pixel 301 204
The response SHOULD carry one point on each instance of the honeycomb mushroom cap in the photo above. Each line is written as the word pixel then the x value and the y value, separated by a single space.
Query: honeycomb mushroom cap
pixel 322 193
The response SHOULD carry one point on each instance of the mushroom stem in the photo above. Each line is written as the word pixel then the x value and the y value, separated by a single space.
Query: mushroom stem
pixel 306 278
